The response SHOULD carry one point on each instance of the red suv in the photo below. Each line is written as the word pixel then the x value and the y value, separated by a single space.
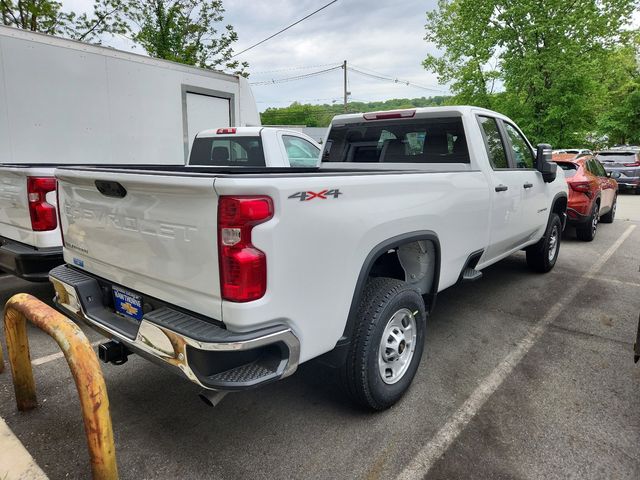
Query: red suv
pixel 592 193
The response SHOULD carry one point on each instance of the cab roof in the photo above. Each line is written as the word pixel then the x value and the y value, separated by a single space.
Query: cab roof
pixel 418 112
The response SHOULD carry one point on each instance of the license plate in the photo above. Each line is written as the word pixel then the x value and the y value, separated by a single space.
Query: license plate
pixel 127 303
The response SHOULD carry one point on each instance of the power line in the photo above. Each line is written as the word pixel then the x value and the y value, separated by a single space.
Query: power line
pixel 284 29
pixel 305 67
pixel 297 77
pixel 381 76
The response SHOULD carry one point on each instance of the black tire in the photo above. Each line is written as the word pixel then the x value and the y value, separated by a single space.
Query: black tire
pixel 538 255
pixel 611 214
pixel 637 191
pixel 587 231
pixel 384 299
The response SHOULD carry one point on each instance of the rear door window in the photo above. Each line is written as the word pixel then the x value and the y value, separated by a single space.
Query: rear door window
pixel 493 142
pixel 300 152
pixel 227 152
pixel 429 140
pixel 599 169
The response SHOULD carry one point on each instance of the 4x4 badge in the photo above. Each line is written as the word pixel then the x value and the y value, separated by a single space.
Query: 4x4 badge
pixel 322 195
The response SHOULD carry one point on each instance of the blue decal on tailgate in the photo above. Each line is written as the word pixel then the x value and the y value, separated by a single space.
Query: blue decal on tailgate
pixel 127 303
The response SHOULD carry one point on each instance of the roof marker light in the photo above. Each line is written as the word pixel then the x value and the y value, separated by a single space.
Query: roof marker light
pixel 222 131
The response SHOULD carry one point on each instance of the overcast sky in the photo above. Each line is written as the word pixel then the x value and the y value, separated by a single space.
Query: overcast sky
pixel 381 36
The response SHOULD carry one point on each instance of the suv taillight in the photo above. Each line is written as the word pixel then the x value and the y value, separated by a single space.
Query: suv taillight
pixel 43 214
pixel 243 268
pixel 582 187
pixel 634 164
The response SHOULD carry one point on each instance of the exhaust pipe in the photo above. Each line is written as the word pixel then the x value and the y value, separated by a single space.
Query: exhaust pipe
pixel 212 397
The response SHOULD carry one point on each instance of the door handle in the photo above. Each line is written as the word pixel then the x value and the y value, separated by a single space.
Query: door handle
pixel 528 185
pixel 502 188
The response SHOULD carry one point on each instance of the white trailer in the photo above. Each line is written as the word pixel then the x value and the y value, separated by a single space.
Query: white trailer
pixel 67 102
pixel 64 102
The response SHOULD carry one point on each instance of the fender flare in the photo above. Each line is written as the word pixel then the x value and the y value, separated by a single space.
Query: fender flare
pixel 563 215
pixel 371 258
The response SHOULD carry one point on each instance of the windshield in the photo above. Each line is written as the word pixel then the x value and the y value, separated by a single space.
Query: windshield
pixel 432 140
pixel 570 169
pixel 227 152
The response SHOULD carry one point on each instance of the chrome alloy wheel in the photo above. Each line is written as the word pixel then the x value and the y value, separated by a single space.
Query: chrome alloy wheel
pixel 397 345
pixel 594 222
pixel 553 242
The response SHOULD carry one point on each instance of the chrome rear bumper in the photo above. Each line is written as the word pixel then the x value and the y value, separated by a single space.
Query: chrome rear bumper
pixel 204 352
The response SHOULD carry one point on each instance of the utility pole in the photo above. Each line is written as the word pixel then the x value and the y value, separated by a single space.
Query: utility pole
pixel 344 67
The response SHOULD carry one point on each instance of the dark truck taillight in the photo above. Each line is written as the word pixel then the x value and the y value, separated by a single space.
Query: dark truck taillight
pixel 243 267
pixel 43 214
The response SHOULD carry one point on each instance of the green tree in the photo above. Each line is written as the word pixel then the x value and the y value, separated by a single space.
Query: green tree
pixel 544 55
pixel 321 115
pixel 619 116
pixel 46 16
pixel 185 31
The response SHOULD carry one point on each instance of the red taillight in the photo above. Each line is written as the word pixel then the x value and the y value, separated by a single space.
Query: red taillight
pixel 43 214
pixel 243 268
pixel 634 164
pixel 582 187
pixel 222 131
pixel 389 114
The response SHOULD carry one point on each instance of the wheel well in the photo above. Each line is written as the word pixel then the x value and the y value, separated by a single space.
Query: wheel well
pixel 388 259
pixel 412 262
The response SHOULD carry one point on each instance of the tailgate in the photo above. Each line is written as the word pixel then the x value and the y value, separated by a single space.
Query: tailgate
pixel 15 219
pixel 157 235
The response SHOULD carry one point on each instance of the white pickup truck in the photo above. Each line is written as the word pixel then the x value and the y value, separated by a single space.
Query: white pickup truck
pixel 30 243
pixel 235 277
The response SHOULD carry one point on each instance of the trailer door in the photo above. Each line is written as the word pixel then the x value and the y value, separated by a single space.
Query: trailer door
pixel 205 112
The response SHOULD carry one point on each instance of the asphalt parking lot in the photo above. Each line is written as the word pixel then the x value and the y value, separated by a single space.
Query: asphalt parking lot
pixel 524 376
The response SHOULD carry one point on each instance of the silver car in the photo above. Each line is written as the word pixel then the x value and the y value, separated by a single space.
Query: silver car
pixel 626 162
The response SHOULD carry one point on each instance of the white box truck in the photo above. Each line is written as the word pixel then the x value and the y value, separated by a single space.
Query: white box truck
pixel 64 102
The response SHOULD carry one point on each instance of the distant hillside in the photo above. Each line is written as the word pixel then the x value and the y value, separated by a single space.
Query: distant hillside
pixel 321 115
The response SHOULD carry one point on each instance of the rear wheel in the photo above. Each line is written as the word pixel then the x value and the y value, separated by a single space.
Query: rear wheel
pixel 611 214
pixel 387 345
pixel 542 256
pixel 587 232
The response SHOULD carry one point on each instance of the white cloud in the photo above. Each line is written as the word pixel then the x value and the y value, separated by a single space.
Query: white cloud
pixel 384 36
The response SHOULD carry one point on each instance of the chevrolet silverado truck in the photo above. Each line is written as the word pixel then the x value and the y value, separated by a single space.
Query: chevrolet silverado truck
pixel 233 277
pixel 30 243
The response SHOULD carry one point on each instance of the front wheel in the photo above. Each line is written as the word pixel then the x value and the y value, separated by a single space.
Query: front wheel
pixel 387 345
pixel 542 256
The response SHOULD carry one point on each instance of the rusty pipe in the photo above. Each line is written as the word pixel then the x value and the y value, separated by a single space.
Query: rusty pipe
pixel 84 367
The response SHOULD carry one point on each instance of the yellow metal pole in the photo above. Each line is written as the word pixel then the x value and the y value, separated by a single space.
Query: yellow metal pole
pixel 84 367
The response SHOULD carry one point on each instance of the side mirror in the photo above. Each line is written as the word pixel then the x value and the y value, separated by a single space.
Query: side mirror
pixel 544 164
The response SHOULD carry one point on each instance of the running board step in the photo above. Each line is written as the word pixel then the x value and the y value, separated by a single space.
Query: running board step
pixel 471 275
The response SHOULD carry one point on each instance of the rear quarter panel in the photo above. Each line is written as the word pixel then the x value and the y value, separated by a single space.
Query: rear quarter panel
pixel 316 248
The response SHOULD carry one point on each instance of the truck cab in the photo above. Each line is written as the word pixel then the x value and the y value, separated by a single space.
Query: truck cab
pixel 254 147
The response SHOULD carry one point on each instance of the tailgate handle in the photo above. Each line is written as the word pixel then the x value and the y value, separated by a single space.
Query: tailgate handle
pixel 111 189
